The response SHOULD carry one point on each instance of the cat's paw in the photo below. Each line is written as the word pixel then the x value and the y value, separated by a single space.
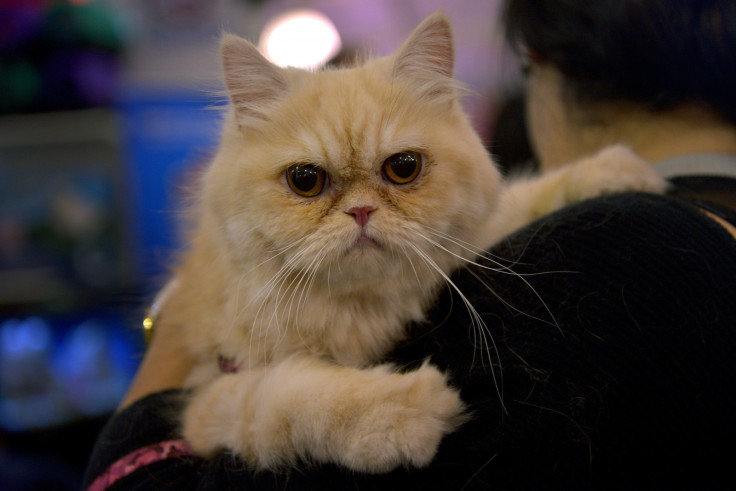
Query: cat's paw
pixel 614 169
pixel 217 417
pixel 304 409
pixel 407 426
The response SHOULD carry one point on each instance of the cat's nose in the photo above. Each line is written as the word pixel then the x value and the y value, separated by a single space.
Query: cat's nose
pixel 361 214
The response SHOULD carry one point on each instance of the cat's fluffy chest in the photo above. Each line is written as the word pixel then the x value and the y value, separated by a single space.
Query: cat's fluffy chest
pixel 354 327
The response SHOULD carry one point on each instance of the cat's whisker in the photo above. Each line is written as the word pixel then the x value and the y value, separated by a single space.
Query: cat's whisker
pixel 503 270
pixel 297 277
pixel 288 291
pixel 552 322
pixel 284 302
pixel 329 273
pixel 477 323
pixel 311 271
pixel 299 288
pixel 502 264
pixel 411 263
pixel 300 275
pixel 472 248
pixel 497 268
pixel 494 258
pixel 482 338
pixel 284 294
pixel 311 276
pixel 278 252
pixel 284 270
pixel 266 295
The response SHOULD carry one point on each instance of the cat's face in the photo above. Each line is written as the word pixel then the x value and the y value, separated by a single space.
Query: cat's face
pixel 355 176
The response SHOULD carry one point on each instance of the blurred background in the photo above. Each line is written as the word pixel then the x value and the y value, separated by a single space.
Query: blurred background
pixel 105 108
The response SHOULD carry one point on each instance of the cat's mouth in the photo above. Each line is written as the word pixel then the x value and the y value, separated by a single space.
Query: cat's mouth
pixel 366 242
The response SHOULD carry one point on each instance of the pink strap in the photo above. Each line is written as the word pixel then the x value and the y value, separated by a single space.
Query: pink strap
pixel 140 458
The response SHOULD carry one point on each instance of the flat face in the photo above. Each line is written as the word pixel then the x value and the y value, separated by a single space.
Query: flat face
pixel 355 139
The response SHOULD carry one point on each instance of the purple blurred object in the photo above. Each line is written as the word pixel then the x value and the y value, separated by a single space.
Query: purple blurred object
pixel 19 24
pixel 79 78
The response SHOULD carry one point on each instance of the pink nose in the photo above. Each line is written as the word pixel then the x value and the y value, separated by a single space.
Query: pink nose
pixel 360 213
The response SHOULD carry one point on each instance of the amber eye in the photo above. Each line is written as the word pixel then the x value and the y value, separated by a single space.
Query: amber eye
pixel 306 180
pixel 402 168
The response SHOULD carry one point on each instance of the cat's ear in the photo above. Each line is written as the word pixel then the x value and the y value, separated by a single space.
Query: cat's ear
pixel 253 83
pixel 427 57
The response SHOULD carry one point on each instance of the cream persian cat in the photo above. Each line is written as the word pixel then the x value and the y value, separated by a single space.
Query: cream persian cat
pixel 337 205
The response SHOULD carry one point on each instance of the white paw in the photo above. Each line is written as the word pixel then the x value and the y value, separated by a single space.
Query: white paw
pixel 407 426
pixel 614 169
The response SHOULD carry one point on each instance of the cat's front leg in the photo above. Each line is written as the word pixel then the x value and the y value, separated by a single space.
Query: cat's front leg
pixel 614 169
pixel 370 420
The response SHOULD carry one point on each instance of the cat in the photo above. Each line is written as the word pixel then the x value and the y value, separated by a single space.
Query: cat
pixel 338 203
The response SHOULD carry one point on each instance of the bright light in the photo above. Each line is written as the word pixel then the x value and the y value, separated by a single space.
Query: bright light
pixel 300 38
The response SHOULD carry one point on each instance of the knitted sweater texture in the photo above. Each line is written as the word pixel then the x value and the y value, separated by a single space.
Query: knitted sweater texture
pixel 611 365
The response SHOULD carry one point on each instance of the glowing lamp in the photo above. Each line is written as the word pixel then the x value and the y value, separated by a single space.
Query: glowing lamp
pixel 300 38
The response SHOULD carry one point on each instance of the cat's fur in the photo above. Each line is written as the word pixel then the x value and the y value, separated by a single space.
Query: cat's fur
pixel 284 286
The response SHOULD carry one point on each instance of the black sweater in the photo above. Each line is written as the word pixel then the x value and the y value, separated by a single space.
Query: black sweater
pixel 614 358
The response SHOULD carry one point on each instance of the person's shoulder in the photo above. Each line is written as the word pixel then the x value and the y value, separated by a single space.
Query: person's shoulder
pixel 602 232
pixel 622 215
pixel 629 206
pixel 653 217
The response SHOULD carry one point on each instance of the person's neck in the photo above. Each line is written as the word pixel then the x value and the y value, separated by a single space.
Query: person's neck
pixel 684 130
pixel 654 136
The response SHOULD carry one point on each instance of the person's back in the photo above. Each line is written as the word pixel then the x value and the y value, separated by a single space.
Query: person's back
pixel 657 76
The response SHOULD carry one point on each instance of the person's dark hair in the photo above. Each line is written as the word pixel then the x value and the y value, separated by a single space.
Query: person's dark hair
pixel 651 52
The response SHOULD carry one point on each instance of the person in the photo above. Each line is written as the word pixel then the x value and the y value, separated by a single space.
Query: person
pixel 655 76
pixel 614 341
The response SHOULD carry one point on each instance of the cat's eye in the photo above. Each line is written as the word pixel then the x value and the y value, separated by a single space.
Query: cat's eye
pixel 306 180
pixel 402 168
